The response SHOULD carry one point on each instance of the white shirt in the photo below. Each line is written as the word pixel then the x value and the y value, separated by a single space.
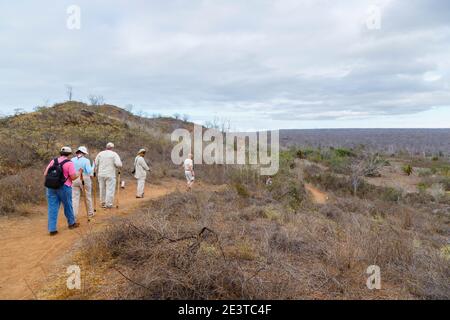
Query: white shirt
pixel 188 164
pixel 141 168
pixel 106 163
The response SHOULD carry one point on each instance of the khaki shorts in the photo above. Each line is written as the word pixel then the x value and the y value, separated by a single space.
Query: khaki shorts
pixel 189 176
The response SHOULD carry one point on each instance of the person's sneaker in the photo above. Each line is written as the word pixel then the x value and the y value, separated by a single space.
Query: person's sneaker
pixel 75 225
pixel 53 233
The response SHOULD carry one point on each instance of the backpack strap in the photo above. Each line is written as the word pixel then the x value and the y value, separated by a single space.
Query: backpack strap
pixel 64 162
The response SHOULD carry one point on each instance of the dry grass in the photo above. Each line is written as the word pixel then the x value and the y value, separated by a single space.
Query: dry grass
pixel 29 141
pixel 21 189
pixel 223 246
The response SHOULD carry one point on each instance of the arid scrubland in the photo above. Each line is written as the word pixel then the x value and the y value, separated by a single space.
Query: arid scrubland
pixel 252 241
pixel 241 238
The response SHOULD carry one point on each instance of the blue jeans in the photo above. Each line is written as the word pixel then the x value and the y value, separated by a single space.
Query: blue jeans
pixel 54 199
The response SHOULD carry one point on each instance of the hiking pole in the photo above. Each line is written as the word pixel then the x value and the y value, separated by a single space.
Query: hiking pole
pixel 118 189
pixel 85 197
pixel 94 191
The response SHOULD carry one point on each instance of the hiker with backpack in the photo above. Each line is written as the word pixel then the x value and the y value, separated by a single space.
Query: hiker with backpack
pixel 59 175
pixel 140 172
pixel 107 163
pixel 84 183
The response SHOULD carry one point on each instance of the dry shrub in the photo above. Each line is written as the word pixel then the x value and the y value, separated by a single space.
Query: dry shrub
pixel 161 261
pixel 429 275
pixel 181 247
pixel 288 190
pixel 26 187
pixel 210 245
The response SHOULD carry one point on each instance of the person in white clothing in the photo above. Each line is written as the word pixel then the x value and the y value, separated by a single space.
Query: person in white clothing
pixel 140 172
pixel 188 166
pixel 82 165
pixel 106 164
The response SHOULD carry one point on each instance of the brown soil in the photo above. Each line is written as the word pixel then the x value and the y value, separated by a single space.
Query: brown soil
pixel 28 254
pixel 317 195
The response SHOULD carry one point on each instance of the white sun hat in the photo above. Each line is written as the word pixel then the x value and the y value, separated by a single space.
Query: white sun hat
pixel 83 149
pixel 141 151
pixel 110 145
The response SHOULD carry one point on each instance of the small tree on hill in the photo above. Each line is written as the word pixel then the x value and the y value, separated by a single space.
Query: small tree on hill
pixel 69 91
pixel 96 100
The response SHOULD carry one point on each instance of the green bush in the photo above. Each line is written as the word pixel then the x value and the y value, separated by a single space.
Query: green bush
pixel 407 169
pixel 391 194
pixel 241 190
pixel 341 152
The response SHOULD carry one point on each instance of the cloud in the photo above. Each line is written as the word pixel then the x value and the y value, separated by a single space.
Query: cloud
pixel 259 63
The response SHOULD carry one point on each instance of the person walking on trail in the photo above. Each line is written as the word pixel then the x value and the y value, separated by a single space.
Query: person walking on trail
pixel 140 172
pixel 82 165
pixel 188 166
pixel 59 175
pixel 106 164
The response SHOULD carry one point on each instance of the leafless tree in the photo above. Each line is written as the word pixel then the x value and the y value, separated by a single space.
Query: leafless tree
pixel 129 108
pixel 176 116
pixel 18 111
pixel 364 165
pixel 185 117
pixel 69 91
pixel 356 173
pixel 218 124
pixel 96 100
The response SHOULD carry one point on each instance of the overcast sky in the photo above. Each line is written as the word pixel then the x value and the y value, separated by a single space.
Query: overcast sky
pixel 262 64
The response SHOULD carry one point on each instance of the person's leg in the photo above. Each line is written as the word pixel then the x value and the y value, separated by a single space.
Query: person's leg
pixel 102 189
pixel 66 198
pixel 76 192
pixel 88 195
pixel 140 187
pixel 188 179
pixel 53 203
pixel 110 190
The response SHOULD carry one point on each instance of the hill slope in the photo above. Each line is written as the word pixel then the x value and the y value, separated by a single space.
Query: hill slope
pixel 27 138
pixel 28 141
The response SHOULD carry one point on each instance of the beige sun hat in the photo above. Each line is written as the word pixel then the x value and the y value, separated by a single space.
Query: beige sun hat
pixel 142 151
pixel 110 145
pixel 66 149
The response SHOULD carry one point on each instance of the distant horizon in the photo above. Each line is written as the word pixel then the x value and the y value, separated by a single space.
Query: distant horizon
pixel 147 115
pixel 418 128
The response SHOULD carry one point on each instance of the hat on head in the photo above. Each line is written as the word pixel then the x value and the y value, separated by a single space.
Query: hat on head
pixel 83 149
pixel 110 145
pixel 66 150
pixel 142 151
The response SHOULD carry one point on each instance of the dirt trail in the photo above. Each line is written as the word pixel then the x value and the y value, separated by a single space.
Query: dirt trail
pixel 318 196
pixel 28 254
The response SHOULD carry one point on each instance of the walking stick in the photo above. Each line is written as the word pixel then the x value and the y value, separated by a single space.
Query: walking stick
pixel 85 197
pixel 118 190
pixel 94 191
